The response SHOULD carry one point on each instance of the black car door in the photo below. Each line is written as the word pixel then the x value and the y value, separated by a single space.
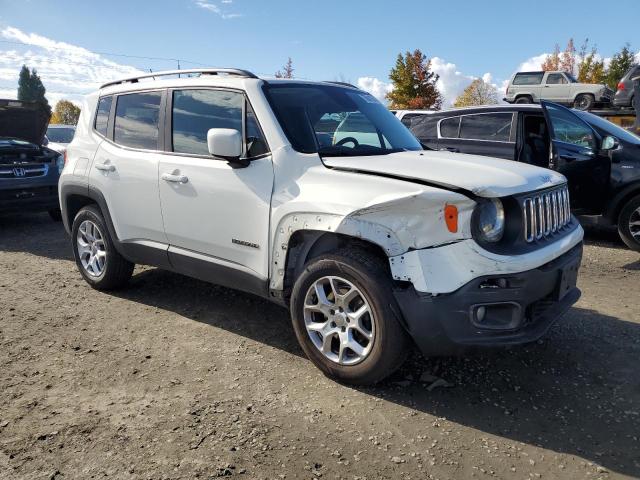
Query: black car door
pixel 575 153
pixel 486 133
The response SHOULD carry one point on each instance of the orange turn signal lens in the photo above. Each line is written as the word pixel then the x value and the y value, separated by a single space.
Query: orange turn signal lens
pixel 451 217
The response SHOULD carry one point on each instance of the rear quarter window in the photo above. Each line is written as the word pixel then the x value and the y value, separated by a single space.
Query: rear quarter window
pixel 528 78
pixel 102 115
pixel 449 127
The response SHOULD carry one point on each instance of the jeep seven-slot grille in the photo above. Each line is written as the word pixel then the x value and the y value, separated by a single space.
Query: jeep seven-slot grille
pixel 546 213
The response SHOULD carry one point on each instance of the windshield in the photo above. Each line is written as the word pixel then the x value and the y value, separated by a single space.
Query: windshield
pixel 337 121
pixel 605 127
pixel 60 134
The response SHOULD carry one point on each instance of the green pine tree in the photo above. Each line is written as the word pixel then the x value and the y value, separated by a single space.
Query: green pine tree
pixel 30 87
pixel 620 64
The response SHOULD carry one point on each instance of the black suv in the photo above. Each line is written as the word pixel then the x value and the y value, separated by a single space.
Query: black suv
pixel 29 171
pixel 600 159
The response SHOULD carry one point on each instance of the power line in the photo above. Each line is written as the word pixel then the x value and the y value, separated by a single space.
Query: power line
pixel 13 42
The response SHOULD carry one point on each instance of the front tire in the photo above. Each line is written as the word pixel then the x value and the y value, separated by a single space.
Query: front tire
pixel 96 257
pixel 584 102
pixel 629 223
pixel 341 309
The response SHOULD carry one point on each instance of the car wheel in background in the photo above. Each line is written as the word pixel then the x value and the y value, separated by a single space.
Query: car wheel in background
pixel 56 215
pixel 584 102
pixel 341 308
pixel 629 223
pixel 99 262
pixel 524 99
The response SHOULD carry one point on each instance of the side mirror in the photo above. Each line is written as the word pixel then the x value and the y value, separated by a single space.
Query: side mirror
pixel 225 143
pixel 610 143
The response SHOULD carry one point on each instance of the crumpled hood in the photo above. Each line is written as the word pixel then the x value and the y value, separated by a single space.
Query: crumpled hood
pixel 23 120
pixel 483 176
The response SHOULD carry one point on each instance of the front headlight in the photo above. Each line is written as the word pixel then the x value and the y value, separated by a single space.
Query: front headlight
pixel 490 220
pixel 60 163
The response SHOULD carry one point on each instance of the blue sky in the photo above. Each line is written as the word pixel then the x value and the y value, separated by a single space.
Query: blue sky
pixel 327 39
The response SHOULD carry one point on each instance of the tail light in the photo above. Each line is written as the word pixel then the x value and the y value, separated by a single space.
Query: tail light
pixel 620 86
pixel 65 157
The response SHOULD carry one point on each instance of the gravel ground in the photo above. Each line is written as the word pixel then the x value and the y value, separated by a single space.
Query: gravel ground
pixel 175 378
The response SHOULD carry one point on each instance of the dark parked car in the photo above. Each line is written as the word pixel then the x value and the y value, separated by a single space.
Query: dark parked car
pixel 624 95
pixel 600 159
pixel 29 171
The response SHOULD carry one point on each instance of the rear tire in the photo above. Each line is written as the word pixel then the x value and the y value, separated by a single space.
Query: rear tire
pixel 97 259
pixel 584 102
pixel 524 99
pixel 629 223
pixel 329 326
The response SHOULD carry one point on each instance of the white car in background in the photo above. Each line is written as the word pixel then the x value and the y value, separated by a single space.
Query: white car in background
pixel 59 136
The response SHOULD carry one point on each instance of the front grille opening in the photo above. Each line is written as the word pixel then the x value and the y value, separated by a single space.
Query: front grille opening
pixel 546 214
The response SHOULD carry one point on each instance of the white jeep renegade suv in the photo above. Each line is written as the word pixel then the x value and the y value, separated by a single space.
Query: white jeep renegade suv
pixel 315 196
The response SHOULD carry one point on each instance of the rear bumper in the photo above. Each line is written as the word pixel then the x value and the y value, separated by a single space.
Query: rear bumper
pixel 519 308
pixel 622 100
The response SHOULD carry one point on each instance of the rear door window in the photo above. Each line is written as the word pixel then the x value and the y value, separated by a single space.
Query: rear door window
pixel 534 78
pixel 495 127
pixel 137 120
pixel 449 127
pixel 102 115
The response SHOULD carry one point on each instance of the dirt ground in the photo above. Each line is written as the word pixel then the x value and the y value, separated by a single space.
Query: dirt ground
pixel 174 378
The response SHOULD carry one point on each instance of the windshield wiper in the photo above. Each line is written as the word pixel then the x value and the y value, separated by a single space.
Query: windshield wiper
pixel 360 151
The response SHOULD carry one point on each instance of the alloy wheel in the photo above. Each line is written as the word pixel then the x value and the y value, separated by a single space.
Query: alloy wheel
pixel 634 224
pixel 91 248
pixel 339 320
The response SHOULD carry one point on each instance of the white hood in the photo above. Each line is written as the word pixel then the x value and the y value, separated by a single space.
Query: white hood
pixel 483 176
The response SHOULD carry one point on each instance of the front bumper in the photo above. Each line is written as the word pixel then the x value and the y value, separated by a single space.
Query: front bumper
pixel 519 307
pixel 34 199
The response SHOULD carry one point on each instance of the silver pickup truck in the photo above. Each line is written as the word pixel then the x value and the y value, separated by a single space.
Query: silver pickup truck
pixel 558 87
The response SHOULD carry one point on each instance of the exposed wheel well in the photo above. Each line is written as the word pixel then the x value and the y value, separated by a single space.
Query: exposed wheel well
pixel 305 245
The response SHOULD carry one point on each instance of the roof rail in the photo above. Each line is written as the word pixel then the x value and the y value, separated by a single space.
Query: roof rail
pixel 344 84
pixel 202 71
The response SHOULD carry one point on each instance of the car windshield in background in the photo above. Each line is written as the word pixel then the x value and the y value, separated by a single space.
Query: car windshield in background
pixel 605 127
pixel 337 121
pixel 60 134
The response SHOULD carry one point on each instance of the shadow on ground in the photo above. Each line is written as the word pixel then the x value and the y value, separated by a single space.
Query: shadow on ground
pixel 577 392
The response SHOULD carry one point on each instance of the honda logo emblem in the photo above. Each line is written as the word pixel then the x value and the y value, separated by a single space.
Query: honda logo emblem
pixel 19 172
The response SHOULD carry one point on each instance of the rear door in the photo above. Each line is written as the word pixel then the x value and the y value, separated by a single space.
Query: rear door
pixel 488 133
pixel 125 167
pixel 575 154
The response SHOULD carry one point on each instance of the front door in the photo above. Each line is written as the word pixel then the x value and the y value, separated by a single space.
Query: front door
pixel 216 216
pixel 575 153
pixel 556 88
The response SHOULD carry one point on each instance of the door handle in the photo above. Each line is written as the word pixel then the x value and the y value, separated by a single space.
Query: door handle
pixel 105 167
pixel 170 177
pixel 568 158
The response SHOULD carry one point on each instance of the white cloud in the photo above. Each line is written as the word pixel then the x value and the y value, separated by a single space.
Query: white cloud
pixel 67 71
pixel 375 87
pixel 212 7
